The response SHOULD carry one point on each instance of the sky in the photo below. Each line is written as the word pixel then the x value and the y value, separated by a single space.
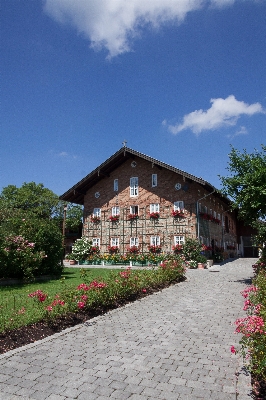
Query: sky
pixel 180 80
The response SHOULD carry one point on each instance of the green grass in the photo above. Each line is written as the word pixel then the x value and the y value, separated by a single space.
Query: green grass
pixel 14 297
pixel 59 297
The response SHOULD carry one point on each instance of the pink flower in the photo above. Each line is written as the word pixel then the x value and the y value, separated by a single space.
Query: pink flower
pixel 81 304
pixel 144 290
pixel 233 350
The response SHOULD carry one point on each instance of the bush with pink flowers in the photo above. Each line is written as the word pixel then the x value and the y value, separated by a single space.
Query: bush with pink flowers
pixel 253 326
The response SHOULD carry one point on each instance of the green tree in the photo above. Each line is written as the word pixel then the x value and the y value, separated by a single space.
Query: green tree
pixel 31 219
pixel 246 185
pixel 31 197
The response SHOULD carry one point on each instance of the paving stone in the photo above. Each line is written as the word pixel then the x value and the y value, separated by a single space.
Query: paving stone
pixel 174 344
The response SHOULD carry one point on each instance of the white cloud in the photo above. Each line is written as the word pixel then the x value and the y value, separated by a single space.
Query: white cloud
pixel 113 24
pixel 63 154
pixel 241 131
pixel 222 113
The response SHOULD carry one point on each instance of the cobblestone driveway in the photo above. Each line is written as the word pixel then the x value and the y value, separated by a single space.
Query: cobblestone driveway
pixel 174 344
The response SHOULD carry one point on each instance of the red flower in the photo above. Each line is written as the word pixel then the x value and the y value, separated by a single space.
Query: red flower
pixel 233 350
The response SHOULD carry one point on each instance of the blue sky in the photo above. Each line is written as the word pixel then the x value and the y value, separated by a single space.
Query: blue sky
pixel 181 81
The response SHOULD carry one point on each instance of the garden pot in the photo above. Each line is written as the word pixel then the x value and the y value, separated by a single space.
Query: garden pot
pixel 201 266
pixel 72 262
pixel 209 263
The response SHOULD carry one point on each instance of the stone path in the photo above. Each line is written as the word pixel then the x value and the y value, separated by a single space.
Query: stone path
pixel 174 344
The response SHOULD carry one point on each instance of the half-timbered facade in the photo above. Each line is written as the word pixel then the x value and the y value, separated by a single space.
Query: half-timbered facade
pixel 135 200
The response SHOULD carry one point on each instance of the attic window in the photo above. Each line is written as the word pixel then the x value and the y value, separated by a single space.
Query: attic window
pixel 133 164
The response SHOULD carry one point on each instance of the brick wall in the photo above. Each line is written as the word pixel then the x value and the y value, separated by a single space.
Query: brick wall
pixel 165 194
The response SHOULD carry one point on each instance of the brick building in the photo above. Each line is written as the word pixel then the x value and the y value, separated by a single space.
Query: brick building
pixel 132 199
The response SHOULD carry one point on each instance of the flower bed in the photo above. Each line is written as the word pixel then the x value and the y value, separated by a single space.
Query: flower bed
pixel 97 295
pixel 253 329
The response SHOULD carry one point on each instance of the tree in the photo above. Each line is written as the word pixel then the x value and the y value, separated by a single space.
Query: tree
pixel 247 184
pixel 31 197
pixel 31 230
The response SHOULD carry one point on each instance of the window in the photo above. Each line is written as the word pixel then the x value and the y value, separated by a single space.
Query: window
pixel 96 242
pixel 210 211
pixel 115 242
pixel 155 241
pixel 214 214
pixel 199 207
pixel 154 180
pixel 155 207
pixel 115 210
pixel 219 216
pixel 134 186
pixel 179 240
pixel 134 210
pixel 96 212
pixel 178 205
pixel 205 209
pixel 115 185
pixel 134 241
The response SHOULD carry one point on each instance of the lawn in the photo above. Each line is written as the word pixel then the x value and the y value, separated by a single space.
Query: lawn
pixel 81 290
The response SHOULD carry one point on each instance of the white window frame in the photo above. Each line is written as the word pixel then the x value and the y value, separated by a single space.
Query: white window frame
pixel 219 217
pixel 134 186
pixel 134 241
pixel 96 212
pixel 134 210
pixel 153 180
pixel 114 242
pixel 179 240
pixel 115 211
pixel 155 240
pixel 214 214
pixel 115 185
pixel 96 242
pixel 178 205
pixel 154 207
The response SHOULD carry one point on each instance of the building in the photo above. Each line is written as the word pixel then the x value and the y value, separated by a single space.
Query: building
pixel 132 199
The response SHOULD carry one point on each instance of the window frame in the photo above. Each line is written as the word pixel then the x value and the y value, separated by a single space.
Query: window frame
pixel 96 242
pixel 96 213
pixel 134 186
pixel 134 242
pixel 115 185
pixel 154 180
pixel 179 240
pixel 114 241
pixel 155 240
pixel 115 211
pixel 134 210
pixel 178 205
pixel 154 208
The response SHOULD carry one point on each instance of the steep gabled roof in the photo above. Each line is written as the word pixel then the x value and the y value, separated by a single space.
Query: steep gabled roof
pixel 77 192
